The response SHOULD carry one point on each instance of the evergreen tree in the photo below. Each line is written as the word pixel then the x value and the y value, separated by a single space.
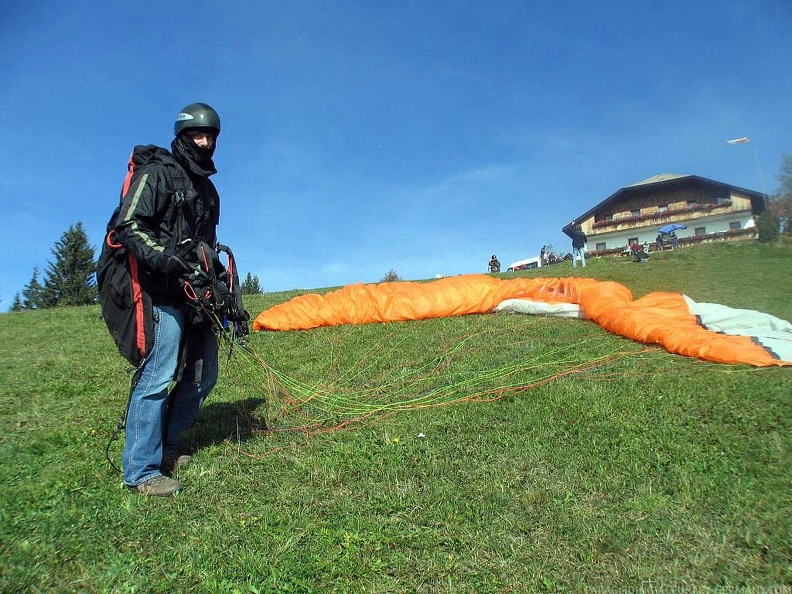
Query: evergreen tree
pixel 33 293
pixel 251 285
pixel 70 278
pixel 17 304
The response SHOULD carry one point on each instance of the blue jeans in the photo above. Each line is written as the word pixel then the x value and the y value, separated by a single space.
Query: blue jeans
pixel 156 417
pixel 575 252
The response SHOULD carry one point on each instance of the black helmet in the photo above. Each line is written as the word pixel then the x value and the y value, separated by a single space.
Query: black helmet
pixel 197 115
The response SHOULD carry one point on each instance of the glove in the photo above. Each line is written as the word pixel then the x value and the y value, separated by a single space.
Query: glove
pixel 241 329
pixel 176 267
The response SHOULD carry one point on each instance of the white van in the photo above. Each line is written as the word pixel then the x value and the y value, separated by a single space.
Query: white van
pixel 526 264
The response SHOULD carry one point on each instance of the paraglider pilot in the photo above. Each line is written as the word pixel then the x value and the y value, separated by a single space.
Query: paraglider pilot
pixel 494 264
pixel 578 245
pixel 148 229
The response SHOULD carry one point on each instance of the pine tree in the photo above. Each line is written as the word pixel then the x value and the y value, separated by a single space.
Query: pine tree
pixel 70 278
pixel 17 304
pixel 33 293
pixel 251 285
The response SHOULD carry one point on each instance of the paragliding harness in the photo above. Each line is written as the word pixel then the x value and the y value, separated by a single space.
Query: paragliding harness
pixel 213 292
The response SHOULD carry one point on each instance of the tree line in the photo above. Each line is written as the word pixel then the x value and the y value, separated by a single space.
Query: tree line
pixel 70 278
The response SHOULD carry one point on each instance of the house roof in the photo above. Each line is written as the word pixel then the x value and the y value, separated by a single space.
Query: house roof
pixel 663 179
pixel 658 178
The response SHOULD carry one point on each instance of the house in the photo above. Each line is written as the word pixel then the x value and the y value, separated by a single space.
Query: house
pixel 707 208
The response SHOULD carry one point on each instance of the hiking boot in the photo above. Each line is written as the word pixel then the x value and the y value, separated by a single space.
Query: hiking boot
pixel 159 486
pixel 172 460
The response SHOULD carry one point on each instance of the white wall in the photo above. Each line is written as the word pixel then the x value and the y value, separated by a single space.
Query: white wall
pixel 713 224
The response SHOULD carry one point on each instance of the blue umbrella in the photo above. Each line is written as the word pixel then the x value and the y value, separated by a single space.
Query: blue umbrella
pixel 671 227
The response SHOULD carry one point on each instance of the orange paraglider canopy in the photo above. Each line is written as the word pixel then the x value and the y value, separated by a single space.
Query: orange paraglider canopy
pixel 660 318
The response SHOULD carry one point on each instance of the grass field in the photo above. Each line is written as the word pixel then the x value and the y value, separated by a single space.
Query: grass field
pixel 640 471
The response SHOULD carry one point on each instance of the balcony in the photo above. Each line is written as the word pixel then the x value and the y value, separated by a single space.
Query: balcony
pixel 661 217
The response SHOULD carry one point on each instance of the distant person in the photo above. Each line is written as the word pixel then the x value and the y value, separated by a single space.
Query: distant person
pixel 543 255
pixel 578 246
pixel 674 241
pixel 494 264
pixel 640 252
pixel 659 241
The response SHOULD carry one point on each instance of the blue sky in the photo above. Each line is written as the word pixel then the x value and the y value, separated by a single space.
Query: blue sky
pixel 363 136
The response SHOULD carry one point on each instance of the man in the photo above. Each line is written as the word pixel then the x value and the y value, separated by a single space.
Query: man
pixel 169 205
pixel 494 264
pixel 578 246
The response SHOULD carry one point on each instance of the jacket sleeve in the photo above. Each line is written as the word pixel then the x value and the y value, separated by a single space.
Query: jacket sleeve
pixel 143 212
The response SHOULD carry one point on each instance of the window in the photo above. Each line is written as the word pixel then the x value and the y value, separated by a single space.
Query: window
pixel 735 226
pixel 632 240
pixel 663 208
pixel 601 247
pixel 701 231
pixel 720 200
pixel 635 213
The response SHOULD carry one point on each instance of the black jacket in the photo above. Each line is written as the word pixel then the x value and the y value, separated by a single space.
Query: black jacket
pixel 164 207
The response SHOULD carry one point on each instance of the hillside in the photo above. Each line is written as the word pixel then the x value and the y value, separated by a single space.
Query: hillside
pixel 493 453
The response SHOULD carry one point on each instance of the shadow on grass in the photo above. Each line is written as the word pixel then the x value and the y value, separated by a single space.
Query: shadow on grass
pixel 218 422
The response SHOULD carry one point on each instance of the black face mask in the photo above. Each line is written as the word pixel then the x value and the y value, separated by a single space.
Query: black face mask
pixel 193 157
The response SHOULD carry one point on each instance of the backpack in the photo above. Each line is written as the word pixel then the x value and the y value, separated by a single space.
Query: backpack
pixel 125 300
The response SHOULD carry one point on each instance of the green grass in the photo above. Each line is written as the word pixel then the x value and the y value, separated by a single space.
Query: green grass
pixel 647 472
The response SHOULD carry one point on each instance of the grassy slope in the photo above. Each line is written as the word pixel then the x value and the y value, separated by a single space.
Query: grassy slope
pixel 652 471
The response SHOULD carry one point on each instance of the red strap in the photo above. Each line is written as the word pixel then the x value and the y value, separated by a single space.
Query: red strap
pixel 137 297
pixel 110 240
pixel 128 178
